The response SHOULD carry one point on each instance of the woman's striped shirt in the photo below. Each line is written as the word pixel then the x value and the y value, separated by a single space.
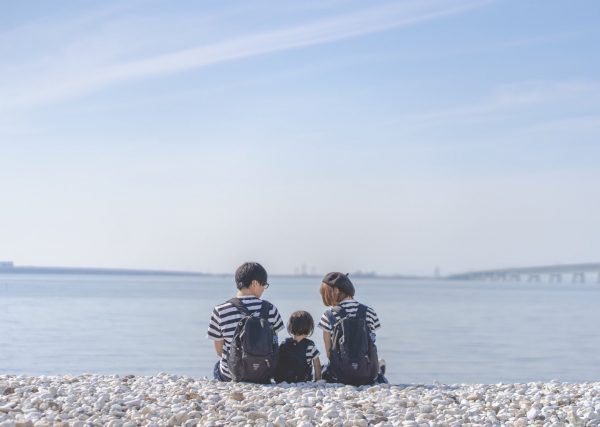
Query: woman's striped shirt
pixel 224 320
pixel 351 306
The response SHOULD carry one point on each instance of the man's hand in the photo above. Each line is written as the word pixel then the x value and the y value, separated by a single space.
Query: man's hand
pixel 219 347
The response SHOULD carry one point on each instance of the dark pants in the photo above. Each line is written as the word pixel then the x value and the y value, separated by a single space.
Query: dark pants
pixel 217 373
pixel 327 376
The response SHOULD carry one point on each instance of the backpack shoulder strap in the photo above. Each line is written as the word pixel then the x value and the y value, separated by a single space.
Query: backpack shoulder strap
pixel 361 312
pixel 331 314
pixel 340 311
pixel 304 345
pixel 237 303
pixel 289 342
pixel 286 343
pixel 265 308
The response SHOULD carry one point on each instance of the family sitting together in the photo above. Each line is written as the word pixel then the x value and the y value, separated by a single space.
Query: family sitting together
pixel 244 330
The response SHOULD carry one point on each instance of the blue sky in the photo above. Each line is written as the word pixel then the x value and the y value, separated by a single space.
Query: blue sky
pixel 390 136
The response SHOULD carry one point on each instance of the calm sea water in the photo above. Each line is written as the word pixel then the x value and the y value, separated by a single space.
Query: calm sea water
pixel 431 330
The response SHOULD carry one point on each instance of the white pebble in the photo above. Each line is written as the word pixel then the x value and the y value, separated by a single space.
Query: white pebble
pixel 169 399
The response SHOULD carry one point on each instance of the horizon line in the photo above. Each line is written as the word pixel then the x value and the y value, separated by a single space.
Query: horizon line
pixel 9 266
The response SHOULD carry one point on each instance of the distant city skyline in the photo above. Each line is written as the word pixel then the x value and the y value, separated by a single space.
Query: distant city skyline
pixel 392 136
pixel 552 273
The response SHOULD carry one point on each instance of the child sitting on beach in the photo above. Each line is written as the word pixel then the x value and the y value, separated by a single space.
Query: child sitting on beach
pixel 349 334
pixel 298 354
pixel 244 330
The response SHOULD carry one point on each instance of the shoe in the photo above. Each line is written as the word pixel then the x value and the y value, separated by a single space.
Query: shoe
pixel 382 366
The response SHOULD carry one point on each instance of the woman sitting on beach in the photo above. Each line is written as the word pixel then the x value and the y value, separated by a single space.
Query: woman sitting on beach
pixel 349 335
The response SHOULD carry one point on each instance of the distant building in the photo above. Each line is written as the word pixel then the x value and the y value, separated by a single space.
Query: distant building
pixel 6 264
pixel 360 273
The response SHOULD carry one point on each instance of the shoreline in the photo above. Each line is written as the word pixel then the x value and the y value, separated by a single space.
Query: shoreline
pixel 163 399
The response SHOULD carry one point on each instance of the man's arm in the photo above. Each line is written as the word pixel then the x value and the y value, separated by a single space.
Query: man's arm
pixel 219 347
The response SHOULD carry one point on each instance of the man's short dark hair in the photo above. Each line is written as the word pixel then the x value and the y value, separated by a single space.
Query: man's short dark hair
pixel 301 323
pixel 249 271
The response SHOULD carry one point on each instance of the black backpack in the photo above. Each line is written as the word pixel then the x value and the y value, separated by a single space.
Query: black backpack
pixel 353 359
pixel 253 352
pixel 292 366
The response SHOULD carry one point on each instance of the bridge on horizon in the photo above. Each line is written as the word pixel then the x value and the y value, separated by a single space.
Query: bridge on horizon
pixel 553 273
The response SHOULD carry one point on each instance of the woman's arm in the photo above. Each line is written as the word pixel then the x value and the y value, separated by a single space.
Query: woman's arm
pixel 317 366
pixel 327 342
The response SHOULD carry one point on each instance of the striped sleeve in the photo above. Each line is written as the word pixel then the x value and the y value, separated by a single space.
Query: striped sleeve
pixel 324 323
pixel 214 326
pixel 275 319
pixel 372 319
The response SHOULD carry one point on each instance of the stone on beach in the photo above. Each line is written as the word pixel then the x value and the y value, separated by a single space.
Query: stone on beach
pixel 99 400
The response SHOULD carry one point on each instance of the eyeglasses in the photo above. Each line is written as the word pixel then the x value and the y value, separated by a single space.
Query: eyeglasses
pixel 265 285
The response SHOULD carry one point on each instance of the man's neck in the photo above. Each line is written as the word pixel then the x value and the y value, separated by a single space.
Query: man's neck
pixel 245 293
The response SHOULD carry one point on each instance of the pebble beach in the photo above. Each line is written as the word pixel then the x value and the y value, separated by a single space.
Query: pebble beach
pixel 168 400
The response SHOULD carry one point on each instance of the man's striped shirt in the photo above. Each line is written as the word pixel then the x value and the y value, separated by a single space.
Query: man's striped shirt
pixel 351 306
pixel 224 320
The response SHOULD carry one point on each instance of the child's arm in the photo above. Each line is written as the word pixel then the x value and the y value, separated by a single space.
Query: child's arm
pixel 327 342
pixel 317 366
pixel 219 347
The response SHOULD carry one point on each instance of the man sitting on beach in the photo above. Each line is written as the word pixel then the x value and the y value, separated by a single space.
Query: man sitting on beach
pixel 246 309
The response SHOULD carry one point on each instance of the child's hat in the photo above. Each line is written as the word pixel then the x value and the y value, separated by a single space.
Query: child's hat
pixel 340 281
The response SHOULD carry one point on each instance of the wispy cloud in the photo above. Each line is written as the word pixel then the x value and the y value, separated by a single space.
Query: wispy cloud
pixel 586 123
pixel 72 79
pixel 512 99
pixel 503 45
pixel 520 113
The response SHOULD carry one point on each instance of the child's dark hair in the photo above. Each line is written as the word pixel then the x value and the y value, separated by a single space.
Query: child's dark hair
pixel 301 323
pixel 249 271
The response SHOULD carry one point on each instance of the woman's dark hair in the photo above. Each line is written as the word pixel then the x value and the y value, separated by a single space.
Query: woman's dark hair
pixel 301 323
pixel 249 271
